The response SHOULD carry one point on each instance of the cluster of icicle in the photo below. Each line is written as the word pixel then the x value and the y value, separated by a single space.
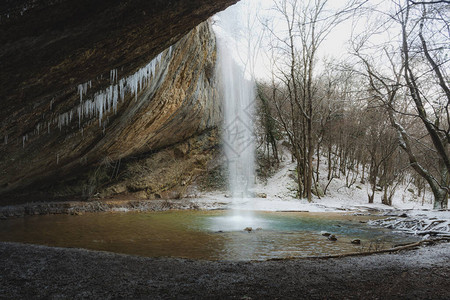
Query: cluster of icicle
pixel 107 100
pixel 419 226
pixel 104 101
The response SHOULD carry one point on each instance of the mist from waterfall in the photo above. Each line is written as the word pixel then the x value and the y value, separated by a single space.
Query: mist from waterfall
pixel 238 92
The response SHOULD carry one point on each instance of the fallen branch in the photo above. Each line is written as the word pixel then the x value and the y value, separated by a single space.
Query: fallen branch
pixel 410 246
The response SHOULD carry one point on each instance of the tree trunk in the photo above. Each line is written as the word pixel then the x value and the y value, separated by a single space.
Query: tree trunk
pixel 440 199
pixel 373 179
pixel 299 179
pixel 363 173
pixel 330 167
pixel 387 199
pixel 318 164
pixel 310 174
pixel 440 194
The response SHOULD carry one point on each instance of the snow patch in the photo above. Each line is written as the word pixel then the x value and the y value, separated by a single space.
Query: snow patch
pixel 418 225
pixel 280 190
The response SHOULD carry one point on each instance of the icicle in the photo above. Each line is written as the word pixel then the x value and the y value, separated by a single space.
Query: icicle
pixel 64 119
pixel 6 139
pixel 99 106
pixel 135 86
pixel 141 76
pixel 80 91
pixel 113 76
pixel 107 100
pixel 115 98
pixel 109 97
pixel 121 89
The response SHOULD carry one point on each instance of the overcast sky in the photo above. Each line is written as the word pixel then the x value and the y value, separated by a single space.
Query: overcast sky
pixel 333 48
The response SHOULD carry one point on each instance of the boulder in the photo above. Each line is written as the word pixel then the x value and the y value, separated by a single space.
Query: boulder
pixel 332 238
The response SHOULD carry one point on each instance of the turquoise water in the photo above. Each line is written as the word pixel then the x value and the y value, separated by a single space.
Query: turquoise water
pixel 214 235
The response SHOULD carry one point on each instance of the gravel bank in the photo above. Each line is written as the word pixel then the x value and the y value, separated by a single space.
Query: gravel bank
pixel 29 271
pixel 79 207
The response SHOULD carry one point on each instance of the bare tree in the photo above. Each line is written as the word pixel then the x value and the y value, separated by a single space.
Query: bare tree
pixel 307 24
pixel 417 77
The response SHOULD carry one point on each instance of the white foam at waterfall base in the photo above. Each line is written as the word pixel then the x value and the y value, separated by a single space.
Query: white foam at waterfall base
pixel 238 92
pixel 239 220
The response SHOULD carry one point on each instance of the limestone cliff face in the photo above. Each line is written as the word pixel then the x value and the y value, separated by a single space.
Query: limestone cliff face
pixel 167 100
pixel 49 46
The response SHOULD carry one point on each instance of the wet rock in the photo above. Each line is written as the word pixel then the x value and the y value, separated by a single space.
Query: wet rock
pixel 404 215
pixel 325 233
pixel 248 229
pixel 356 242
pixel 332 238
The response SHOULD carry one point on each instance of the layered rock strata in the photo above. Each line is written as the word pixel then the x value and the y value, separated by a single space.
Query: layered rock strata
pixel 172 98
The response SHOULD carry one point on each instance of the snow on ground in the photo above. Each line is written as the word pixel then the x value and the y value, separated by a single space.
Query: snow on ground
pixel 418 225
pixel 278 194
pixel 280 190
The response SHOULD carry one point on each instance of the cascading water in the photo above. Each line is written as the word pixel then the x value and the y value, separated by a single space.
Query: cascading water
pixel 238 135
pixel 238 91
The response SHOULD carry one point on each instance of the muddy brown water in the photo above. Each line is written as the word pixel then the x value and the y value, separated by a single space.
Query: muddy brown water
pixel 211 235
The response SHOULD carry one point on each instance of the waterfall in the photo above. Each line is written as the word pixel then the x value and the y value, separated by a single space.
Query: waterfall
pixel 238 91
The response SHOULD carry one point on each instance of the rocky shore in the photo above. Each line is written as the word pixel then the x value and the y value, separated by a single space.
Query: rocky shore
pixel 80 207
pixel 31 272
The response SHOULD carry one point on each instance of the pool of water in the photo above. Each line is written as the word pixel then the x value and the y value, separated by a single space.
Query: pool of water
pixel 214 235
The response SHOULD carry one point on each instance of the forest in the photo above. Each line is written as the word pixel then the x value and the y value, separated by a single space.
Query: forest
pixel 379 113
